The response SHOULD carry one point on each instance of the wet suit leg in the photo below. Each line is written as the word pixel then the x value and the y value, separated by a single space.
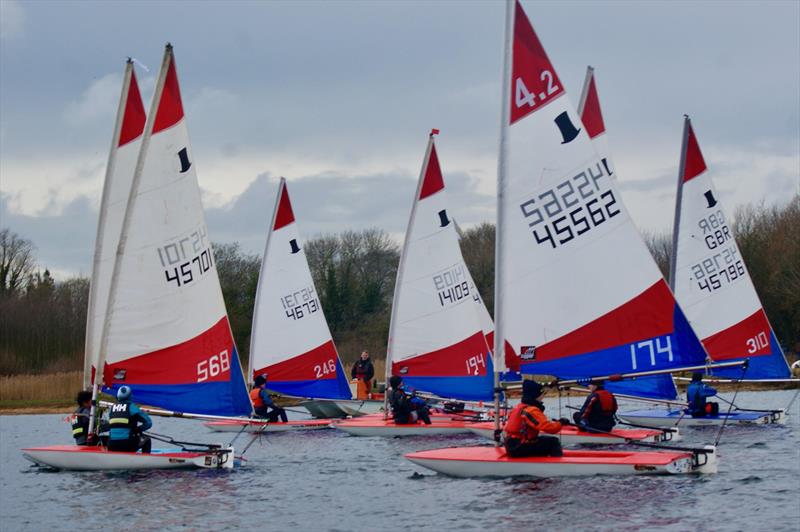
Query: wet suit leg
pixel 422 413
pixel 276 413
pixel 542 446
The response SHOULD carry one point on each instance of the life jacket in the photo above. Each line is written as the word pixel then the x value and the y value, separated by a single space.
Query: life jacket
pixel 361 369
pixel 79 426
pixel 606 402
pixel 120 417
pixel 516 427
pixel 255 397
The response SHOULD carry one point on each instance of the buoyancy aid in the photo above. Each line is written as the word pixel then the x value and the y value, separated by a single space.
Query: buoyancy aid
pixel 255 397
pixel 80 425
pixel 361 369
pixel 120 417
pixel 607 403
pixel 526 422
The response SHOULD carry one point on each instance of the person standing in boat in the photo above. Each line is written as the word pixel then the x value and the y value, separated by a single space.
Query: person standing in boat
pixel 527 421
pixel 406 409
pixel 696 395
pixel 263 404
pixel 362 372
pixel 128 422
pixel 80 423
pixel 598 410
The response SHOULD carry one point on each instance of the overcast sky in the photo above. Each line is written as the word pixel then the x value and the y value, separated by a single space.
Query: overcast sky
pixel 339 98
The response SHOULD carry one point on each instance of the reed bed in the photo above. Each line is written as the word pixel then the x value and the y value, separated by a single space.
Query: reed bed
pixel 51 387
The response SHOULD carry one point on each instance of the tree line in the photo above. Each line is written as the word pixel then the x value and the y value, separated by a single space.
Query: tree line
pixel 42 321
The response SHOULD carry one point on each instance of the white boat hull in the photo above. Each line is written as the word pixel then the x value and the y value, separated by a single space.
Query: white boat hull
pixel 267 427
pixel 81 458
pixel 493 462
pixel 667 418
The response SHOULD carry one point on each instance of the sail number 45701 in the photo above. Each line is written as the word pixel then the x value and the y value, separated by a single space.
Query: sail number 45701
pixel 213 366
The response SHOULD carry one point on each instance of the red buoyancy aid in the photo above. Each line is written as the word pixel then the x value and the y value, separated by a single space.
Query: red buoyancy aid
pixel 526 421
pixel 255 397
pixel 608 403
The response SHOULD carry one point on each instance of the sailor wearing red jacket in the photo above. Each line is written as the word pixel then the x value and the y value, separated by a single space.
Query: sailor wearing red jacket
pixel 598 410
pixel 526 423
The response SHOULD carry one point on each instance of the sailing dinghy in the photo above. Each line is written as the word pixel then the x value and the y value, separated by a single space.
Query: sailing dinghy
pixel 437 341
pixel 559 210
pixel 165 332
pixel 713 286
pixel 290 342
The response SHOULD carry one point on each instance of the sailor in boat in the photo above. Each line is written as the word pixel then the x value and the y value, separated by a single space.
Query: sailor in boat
pixel 263 405
pixel 80 418
pixel 696 395
pixel 362 373
pixel 598 410
pixel 407 409
pixel 527 421
pixel 128 422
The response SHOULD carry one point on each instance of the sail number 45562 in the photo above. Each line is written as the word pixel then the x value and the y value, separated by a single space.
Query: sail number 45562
pixel 213 366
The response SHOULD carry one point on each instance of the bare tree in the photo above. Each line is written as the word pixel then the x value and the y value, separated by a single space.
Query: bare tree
pixel 16 262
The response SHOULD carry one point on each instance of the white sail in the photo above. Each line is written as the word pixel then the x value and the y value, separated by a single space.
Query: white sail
pixel 579 293
pixel 710 277
pixel 436 337
pixel 290 340
pixel 167 333
pixel 119 174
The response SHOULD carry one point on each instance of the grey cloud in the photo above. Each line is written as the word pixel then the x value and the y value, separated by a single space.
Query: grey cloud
pixel 322 204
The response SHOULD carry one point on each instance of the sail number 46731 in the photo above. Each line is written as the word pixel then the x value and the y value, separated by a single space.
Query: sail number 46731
pixel 213 366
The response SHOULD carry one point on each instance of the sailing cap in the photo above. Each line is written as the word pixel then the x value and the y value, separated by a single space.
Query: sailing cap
pixel 261 380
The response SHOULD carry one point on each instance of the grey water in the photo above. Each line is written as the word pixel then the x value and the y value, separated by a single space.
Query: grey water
pixel 326 480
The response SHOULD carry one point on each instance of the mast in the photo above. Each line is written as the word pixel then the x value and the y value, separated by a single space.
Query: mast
pixel 281 186
pixel 399 279
pixel 89 347
pixel 585 90
pixel 499 336
pixel 678 199
pixel 126 222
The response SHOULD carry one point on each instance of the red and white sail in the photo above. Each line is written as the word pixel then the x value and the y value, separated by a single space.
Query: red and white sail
pixel 290 340
pixel 166 332
pixel 436 336
pixel 578 292
pixel 116 187
pixel 710 277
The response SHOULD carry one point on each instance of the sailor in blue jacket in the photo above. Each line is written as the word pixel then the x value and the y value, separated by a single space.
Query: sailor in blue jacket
pixel 128 422
pixel 696 395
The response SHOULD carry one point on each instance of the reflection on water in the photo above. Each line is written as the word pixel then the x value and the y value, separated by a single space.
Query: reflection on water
pixel 325 480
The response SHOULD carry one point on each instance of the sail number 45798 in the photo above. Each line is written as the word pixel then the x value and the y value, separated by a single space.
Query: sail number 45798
pixel 213 366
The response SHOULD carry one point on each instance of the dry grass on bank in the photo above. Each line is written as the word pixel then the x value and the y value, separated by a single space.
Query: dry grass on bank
pixel 38 389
